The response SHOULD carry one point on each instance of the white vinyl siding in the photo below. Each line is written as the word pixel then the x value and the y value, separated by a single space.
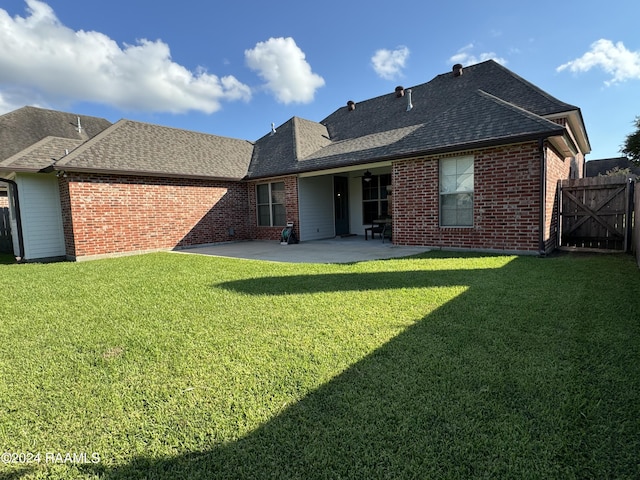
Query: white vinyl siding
pixel 316 208
pixel 41 216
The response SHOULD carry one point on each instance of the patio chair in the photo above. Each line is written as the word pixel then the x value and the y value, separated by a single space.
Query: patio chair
pixel 387 232
pixel 374 228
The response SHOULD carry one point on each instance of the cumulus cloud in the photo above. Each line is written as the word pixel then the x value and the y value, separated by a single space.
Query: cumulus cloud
pixel 282 64
pixel 466 57
pixel 388 64
pixel 57 63
pixel 615 59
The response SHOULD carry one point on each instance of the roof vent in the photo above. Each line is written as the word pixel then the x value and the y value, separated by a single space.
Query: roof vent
pixel 351 105
pixel 409 104
pixel 399 91
pixel 79 126
pixel 273 129
pixel 457 70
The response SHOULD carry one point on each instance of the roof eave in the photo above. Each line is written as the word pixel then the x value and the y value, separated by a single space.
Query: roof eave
pixel 138 173
pixel 576 122
pixel 556 132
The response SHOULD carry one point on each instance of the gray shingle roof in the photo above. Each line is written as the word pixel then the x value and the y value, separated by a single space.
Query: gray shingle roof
pixel 26 126
pixel 40 155
pixel 487 105
pixel 142 148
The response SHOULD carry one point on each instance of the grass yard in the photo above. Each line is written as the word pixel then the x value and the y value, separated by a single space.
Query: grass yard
pixel 169 366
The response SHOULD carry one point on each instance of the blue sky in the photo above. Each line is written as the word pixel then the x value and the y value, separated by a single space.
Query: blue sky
pixel 233 68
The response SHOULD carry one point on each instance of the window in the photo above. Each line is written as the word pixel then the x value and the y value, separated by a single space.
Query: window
pixel 374 198
pixel 456 192
pixel 270 200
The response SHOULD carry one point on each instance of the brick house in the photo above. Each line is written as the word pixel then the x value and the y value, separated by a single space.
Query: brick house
pixel 469 160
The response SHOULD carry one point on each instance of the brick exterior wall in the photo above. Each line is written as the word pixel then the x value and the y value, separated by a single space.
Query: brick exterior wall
pixel 506 210
pixel 112 214
pixel 108 214
pixel 558 168
pixel 291 208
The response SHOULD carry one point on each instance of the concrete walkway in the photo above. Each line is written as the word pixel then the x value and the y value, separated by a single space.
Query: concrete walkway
pixel 335 250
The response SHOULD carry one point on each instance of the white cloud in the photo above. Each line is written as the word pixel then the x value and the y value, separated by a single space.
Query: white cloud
pixel 615 59
pixel 281 63
pixel 57 63
pixel 466 57
pixel 388 64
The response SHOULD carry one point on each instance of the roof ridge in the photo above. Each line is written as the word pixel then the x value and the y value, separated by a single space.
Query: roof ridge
pixel 532 86
pixel 516 108
pixel 196 132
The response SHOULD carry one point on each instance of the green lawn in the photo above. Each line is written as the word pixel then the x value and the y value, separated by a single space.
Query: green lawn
pixel 171 366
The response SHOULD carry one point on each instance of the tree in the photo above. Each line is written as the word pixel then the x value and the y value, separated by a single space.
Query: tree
pixel 631 147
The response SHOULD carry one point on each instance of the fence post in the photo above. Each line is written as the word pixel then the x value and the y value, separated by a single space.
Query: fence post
pixel 636 224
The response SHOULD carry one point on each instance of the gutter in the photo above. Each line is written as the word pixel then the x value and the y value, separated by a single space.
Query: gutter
pixel 14 185
pixel 139 173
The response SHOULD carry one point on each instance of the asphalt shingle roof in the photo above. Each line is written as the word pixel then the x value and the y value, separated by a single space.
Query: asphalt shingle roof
pixel 40 155
pixel 135 147
pixel 26 126
pixel 486 105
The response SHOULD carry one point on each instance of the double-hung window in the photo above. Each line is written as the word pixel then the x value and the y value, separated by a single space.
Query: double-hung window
pixel 375 203
pixel 270 200
pixel 456 192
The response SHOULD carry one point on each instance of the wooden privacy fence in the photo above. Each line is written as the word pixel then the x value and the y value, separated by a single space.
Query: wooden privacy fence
pixel 5 231
pixel 596 213
pixel 636 223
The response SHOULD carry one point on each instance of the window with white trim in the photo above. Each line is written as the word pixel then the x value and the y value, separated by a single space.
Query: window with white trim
pixel 375 202
pixel 456 192
pixel 270 201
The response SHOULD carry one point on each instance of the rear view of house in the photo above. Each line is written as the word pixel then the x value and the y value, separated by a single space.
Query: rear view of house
pixel 468 160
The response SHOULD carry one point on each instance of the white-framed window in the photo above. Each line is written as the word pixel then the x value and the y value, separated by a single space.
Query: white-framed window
pixel 375 202
pixel 456 192
pixel 270 201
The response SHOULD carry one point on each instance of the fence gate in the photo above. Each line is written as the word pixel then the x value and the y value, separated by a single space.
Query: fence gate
pixel 596 213
pixel 5 231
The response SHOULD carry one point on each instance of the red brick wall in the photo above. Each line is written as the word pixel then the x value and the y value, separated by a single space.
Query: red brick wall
pixel 557 168
pixel 105 214
pixel 291 207
pixel 506 201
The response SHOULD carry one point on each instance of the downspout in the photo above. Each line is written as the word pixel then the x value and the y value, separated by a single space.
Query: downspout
pixel 543 199
pixel 15 196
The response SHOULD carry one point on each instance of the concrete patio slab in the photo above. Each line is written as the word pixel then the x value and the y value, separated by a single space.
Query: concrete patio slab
pixel 335 250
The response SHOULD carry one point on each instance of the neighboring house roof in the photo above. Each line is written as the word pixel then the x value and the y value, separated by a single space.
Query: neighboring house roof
pixel 129 147
pixel 594 168
pixel 486 105
pixel 22 128
pixel 40 155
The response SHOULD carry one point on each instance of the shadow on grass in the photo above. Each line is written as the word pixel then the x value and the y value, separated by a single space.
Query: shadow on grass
pixel 473 390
